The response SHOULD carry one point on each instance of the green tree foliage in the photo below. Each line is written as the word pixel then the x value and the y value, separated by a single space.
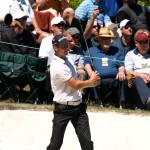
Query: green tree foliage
pixel 75 3
pixel 144 2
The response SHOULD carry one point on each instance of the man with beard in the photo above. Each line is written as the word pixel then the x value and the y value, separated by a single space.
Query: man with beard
pixel 107 61
pixel 137 14
pixel 125 43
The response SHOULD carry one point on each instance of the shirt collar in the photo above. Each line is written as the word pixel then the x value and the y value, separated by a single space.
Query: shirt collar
pixel 137 52
pixel 59 59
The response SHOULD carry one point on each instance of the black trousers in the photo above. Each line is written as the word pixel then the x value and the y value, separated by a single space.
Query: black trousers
pixel 79 119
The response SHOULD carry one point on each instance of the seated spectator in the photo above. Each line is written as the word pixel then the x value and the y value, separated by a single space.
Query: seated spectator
pixel 125 43
pixel 12 6
pixel 84 12
pixel 76 54
pixel 46 47
pixel 90 32
pixel 18 39
pixel 107 61
pixel 137 65
pixel 112 8
pixel 137 14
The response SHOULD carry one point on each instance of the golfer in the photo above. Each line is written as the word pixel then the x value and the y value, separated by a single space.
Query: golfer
pixel 67 97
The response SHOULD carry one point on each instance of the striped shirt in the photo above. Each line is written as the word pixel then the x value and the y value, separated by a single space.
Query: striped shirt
pixel 85 11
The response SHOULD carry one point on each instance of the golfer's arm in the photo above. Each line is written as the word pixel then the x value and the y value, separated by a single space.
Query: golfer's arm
pixel 77 84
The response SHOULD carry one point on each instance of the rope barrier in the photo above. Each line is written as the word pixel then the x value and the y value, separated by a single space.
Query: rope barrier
pixel 38 49
pixel 101 58
pixel 19 45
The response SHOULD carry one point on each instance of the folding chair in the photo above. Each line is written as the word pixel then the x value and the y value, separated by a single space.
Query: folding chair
pixel 36 72
pixel 11 70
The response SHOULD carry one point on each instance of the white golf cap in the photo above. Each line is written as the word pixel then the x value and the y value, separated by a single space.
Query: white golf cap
pixel 123 23
pixel 19 14
pixel 57 20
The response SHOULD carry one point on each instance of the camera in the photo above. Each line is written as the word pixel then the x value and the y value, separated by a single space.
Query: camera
pixel 101 10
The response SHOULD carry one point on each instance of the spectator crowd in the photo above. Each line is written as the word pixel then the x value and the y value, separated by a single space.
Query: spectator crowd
pixel 110 37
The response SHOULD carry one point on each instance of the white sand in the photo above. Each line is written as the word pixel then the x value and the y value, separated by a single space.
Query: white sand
pixel 31 130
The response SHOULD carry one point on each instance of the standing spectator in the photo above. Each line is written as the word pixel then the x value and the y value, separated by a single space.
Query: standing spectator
pixel 17 38
pixel 112 8
pixel 107 61
pixel 137 64
pixel 125 43
pixel 46 47
pixel 67 98
pixel 85 10
pixel 137 14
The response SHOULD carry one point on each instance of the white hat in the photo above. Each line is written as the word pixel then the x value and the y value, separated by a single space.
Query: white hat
pixel 57 20
pixel 19 14
pixel 123 23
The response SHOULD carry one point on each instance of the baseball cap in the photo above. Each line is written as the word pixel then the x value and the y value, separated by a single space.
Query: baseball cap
pixel 73 31
pixel 141 36
pixel 19 14
pixel 123 23
pixel 60 40
pixel 57 20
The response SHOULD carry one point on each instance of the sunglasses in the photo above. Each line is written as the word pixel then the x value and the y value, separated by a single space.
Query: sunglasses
pixel 76 36
pixel 22 19
pixel 143 42
pixel 96 26
pixel 128 26
pixel 59 25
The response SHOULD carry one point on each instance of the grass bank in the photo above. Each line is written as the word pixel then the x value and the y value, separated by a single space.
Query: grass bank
pixel 33 107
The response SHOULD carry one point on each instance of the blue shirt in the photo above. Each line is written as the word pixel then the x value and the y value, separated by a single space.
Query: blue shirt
pixel 122 47
pixel 113 6
pixel 85 11
pixel 115 60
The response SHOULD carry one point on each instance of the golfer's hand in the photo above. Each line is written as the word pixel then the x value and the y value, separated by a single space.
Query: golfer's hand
pixel 95 79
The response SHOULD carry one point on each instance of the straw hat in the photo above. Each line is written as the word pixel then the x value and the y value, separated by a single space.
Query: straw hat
pixel 105 32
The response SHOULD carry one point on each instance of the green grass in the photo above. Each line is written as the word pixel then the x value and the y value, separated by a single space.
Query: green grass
pixel 33 107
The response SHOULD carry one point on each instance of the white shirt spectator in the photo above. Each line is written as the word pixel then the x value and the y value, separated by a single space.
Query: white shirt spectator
pixel 46 48
pixel 137 62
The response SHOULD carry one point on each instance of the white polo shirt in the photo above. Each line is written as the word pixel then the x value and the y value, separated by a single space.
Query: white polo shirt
pixel 60 72
pixel 46 48
pixel 137 62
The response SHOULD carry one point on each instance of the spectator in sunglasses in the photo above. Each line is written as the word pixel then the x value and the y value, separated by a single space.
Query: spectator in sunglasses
pixel 137 64
pixel 46 47
pixel 125 43
pixel 17 38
